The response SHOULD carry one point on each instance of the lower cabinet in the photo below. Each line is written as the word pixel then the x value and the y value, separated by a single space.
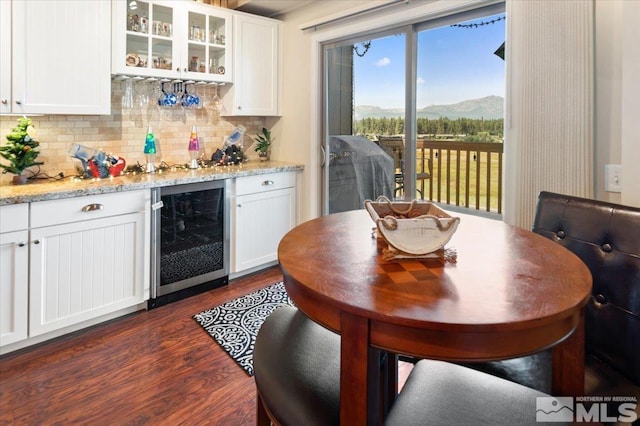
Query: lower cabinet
pixel 84 270
pixel 14 264
pixel 87 260
pixel 264 210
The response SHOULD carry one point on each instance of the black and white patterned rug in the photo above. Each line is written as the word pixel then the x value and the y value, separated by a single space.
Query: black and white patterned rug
pixel 235 324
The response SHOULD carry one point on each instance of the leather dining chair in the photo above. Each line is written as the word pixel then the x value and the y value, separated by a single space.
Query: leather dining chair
pixel 606 236
pixel 297 374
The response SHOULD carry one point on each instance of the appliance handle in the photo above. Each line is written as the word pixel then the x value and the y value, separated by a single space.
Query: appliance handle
pixel 156 207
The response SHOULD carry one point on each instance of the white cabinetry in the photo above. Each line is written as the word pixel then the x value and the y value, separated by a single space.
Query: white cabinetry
pixel 55 57
pixel 14 263
pixel 169 39
pixel 257 85
pixel 5 54
pixel 264 209
pixel 88 258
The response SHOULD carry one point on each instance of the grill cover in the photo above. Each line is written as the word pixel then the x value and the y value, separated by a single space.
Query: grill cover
pixel 358 170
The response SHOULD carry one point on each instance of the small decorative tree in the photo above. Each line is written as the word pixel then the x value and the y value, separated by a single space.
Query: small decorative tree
pixel 21 149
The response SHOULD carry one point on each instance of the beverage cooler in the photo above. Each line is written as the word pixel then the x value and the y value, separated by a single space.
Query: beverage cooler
pixel 189 240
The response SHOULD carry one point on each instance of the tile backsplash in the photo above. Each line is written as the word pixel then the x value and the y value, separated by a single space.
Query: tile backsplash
pixel 123 133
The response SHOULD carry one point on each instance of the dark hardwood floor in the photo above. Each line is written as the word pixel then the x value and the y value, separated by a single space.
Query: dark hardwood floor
pixel 155 367
pixel 151 367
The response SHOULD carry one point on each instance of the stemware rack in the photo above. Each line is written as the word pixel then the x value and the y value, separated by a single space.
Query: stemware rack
pixel 169 93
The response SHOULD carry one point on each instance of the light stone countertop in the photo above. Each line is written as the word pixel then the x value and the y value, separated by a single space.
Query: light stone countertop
pixel 76 187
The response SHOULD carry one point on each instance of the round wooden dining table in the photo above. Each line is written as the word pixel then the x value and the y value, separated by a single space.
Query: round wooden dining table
pixel 507 292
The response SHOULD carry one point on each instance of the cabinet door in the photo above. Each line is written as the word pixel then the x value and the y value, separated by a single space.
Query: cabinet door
pixel 257 57
pixel 144 39
pixel 171 40
pixel 14 263
pixel 207 50
pixel 5 54
pixel 60 54
pixel 83 270
pixel 261 220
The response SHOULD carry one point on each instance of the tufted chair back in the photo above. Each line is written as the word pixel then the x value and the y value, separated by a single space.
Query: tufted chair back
pixel 606 237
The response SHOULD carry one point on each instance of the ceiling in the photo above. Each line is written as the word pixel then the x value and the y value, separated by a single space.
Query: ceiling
pixel 269 8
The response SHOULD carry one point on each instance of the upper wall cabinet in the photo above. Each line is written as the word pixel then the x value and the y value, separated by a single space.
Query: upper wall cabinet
pixel 169 39
pixel 5 53
pixel 257 58
pixel 55 57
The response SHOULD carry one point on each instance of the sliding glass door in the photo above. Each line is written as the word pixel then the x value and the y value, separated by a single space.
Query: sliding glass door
pixel 389 97
pixel 459 113
pixel 357 165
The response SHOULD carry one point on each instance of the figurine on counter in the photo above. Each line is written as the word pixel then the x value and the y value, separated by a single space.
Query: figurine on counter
pixel 231 155
pixel 231 152
pixel 97 164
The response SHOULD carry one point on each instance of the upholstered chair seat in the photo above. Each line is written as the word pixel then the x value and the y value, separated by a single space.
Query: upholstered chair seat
pixel 440 393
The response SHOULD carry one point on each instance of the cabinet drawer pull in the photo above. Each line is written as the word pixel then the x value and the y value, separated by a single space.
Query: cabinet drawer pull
pixel 36 241
pixel 92 207
pixel 18 102
pixel 267 183
pixel 22 243
pixel 4 102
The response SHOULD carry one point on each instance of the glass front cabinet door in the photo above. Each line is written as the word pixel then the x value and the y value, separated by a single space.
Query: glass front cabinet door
pixel 174 40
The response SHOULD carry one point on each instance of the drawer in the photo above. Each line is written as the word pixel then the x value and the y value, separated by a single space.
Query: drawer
pixel 55 212
pixel 14 217
pixel 266 182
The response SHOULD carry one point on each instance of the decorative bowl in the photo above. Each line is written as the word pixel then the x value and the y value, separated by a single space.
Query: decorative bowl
pixel 413 228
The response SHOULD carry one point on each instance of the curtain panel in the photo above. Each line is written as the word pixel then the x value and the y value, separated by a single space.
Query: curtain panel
pixel 549 103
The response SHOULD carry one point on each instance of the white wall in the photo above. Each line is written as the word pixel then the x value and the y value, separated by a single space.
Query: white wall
pixel 617 104
pixel 608 91
pixel 295 130
pixel 630 123
pixel 295 141
pixel 614 48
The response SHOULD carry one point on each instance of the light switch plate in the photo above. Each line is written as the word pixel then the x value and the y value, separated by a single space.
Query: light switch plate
pixel 612 177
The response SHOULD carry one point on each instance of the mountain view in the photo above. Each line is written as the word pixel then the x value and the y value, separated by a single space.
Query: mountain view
pixel 489 107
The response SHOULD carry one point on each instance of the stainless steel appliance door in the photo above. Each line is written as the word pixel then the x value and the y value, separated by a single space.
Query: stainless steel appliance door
pixel 190 236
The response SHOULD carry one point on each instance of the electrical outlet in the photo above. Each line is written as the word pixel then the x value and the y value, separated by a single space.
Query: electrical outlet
pixel 612 177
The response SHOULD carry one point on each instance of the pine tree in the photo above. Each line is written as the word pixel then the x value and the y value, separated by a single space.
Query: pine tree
pixel 21 149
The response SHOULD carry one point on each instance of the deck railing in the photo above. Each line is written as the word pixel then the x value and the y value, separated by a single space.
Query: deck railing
pixel 465 174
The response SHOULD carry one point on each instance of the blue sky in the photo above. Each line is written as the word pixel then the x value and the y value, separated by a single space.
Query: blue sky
pixel 454 64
